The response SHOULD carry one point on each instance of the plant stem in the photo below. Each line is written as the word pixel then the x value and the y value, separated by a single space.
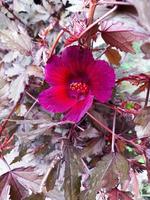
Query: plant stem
pixel 138 147
pixel 55 43
pixel 113 133
pixel 31 108
pixel 115 3
pixel 147 95
pixel 30 95
pixel 91 11
pixel 90 17
pixel 100 123
pixel 97 21
pixel 102 53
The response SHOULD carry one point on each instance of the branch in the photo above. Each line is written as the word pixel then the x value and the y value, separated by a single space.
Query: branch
pixel 137 146
pixel 91 11
pixel 97 21
pixel 91 16
pixel 114 3
pixel 56 42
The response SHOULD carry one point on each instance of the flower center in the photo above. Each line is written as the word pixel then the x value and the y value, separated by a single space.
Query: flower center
pixel 79 87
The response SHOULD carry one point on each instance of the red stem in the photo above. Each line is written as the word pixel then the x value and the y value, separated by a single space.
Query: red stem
pixel 55 43
pixel 97 21
pixel 114 3
pixel 116 135
pixel 91 12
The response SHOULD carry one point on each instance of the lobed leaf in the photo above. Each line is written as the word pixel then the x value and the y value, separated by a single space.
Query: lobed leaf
pixel 120 37
pixel 109 172
pixel 16 183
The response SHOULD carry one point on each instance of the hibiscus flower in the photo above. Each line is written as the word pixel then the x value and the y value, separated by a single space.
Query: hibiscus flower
pixel 75 78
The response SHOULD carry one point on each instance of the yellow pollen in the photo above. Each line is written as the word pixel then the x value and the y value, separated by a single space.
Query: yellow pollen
pixel 79 87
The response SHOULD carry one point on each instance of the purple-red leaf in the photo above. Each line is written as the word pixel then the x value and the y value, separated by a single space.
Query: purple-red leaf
pixel 109 172
pixel 116 194
pixel 72 180
pixel 120 37
pixel 146 50
pixel 17 183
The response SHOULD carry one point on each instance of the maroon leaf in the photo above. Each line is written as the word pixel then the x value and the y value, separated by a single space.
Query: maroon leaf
pixel 110 171
pixel 136 79
pixel 93 146
pixel 53 173
pixel 116 194
pixel 38 196
pixel 120 37
pixel 143 121
pixel 72 180
pixel 4 189
pixel 17 183
pixel 17 191
pixel 146 50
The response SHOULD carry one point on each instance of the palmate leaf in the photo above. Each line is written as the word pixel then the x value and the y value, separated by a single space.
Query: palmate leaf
pixel 119 36
pixel 109 172
pixel 17 182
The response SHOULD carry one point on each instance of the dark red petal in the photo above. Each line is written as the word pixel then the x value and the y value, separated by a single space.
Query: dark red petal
pixel 55 99
pixel 77 58
pixel 102 80
pixel 55 72
pixel 79 109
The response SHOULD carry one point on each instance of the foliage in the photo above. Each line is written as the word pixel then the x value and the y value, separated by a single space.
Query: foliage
pixel 103 151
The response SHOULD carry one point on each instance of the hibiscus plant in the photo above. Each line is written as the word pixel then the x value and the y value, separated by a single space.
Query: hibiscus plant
pixel 75 112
